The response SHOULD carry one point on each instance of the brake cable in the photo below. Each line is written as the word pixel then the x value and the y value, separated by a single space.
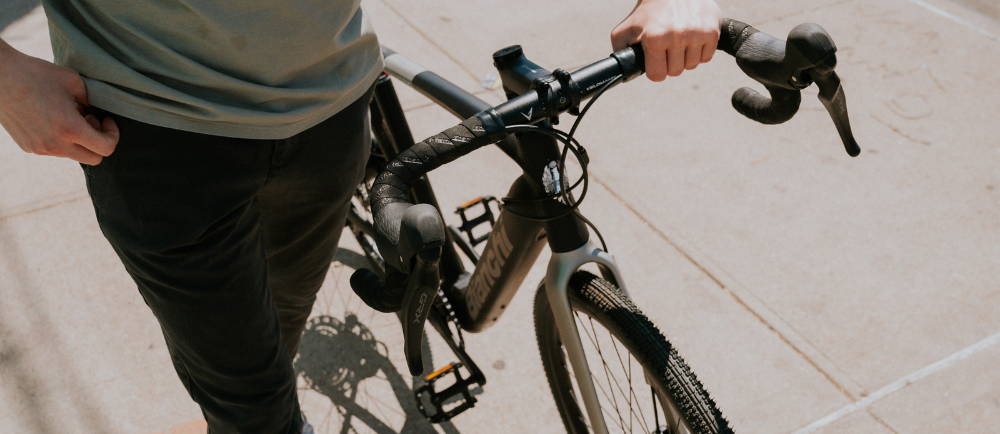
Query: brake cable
pixel 570 145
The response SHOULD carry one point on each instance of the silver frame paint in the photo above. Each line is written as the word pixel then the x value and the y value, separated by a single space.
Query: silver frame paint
pixel 561 268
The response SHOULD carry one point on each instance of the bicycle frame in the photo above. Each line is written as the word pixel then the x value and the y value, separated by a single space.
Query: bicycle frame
pixel 515 242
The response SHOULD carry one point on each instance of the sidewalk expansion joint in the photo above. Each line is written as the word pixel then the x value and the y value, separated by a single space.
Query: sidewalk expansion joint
pixel 736 297
pixel 902 383
pixel 427 38
pixel 881 421
pixel 44 205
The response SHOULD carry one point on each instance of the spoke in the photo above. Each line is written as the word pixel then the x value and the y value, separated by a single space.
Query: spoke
pixel 607 373
pixel 618 386
pixel 656 413
pixel 631 393
pixel 603 392
pixel 635 409
pixel 631 390
pixel 606 394
pixel 593 340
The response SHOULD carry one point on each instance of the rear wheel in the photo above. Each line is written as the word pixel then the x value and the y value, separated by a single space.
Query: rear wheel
pixel 359 221
pixel 359 218
pixel 642 383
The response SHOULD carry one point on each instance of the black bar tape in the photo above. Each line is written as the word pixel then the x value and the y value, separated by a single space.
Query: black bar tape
pixel 390 192
pixel 763 58
pixel 732 35
pixel 776 109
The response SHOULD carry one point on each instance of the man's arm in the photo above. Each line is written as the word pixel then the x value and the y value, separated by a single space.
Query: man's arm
pixel 41 108
pixel 675 34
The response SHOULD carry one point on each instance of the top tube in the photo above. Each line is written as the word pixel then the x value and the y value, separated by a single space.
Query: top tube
pixel 456 100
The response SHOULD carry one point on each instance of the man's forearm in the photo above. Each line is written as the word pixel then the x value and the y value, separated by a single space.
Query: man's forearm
pixel 7 56
pixel 5 51
pixel 4 56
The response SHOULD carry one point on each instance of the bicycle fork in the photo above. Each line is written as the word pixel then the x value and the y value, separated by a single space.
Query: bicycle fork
pixel 561 268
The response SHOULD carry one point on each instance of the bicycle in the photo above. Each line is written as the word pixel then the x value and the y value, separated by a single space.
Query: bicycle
pixel 418 273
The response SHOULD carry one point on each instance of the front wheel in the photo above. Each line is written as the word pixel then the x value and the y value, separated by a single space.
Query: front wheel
pixel 642 383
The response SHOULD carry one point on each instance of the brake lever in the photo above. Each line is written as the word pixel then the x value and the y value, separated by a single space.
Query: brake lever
pixel 831 94
pixel 784 68
pixel 421 292
pixel 813 45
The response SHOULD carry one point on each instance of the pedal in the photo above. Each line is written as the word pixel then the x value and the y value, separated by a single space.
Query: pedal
pixel 442 405
pixel 437 400
pixel 468 224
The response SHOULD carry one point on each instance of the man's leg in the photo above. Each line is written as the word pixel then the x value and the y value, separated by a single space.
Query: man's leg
pixel 304 207
pixel 180 209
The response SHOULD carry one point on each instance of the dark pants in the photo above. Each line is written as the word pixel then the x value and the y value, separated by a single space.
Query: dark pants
pixel 228 241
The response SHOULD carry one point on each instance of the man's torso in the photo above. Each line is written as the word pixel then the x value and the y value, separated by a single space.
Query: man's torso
pixel 261 69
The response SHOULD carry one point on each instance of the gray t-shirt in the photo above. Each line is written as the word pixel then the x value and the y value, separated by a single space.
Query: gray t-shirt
pixel 258 69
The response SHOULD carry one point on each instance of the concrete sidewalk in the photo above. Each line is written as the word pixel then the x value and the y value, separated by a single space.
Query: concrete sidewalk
pixel 807 289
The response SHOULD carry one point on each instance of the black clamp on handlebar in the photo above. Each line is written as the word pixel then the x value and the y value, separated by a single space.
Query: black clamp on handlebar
pixel 543 85
pixel 566 97
pixel 570 88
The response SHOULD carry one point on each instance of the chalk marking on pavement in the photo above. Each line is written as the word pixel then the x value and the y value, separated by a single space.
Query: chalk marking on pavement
pixel 901 383
pixel 955 18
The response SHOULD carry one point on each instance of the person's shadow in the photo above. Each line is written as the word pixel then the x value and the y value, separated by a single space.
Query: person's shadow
pixel 13 10
pixel 337 355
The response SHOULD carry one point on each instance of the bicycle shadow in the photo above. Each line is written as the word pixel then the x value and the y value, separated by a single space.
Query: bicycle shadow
pixel 338 357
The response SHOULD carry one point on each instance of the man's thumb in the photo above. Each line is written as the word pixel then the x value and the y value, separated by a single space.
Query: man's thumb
pixel 78 90
pixel 110 129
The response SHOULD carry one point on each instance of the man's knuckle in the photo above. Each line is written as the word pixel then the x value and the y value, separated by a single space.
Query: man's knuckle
pixel 686 36
pixel 63 132
pixel 670 37
pixel 69 83
pixel 72 80
pixel 44 149
pixel 619 32
pixel 652 42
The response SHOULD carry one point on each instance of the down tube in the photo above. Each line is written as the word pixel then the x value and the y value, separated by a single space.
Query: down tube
pixel 510 252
